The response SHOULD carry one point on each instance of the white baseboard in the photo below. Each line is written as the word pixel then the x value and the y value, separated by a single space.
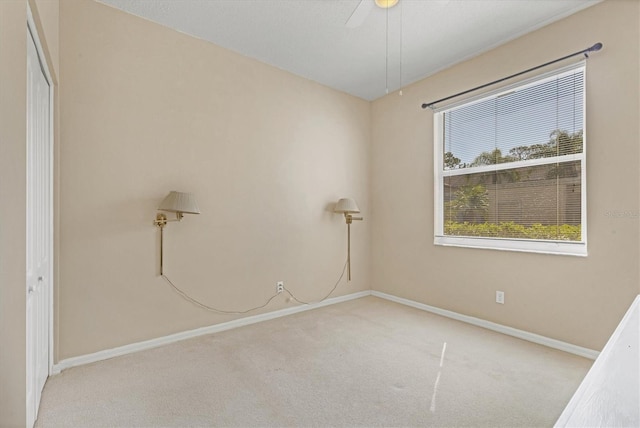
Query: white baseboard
pixel 160 341
pixel 510 331
pixel 154 343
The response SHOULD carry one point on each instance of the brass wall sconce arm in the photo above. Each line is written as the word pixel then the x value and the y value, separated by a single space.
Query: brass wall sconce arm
pixel 349 218
pixel 348 207
pixel 161 219
pixel 177 202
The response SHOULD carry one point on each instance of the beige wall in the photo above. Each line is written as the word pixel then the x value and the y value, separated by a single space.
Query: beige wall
pixel 13 37
pixel 13 18
pixel 146 110
pixel 577 300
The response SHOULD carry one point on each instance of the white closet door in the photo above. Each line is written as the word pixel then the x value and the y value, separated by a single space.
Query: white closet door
pixel 39 229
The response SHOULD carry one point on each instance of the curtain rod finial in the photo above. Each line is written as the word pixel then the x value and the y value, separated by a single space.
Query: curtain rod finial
pixel 595 47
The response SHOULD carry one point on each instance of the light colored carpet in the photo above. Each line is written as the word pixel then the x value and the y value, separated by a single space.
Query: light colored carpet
pixel 366 362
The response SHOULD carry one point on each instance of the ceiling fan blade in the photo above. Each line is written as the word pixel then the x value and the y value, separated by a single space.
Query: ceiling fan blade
pixel 359 14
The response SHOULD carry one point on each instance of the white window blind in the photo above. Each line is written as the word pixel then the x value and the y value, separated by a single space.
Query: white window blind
pixel 510 168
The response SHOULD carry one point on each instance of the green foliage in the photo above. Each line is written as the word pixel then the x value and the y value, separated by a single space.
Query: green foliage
pixel 491 158
pixel 560 143
pixel 563 232
pixel 470 203
pixel 450 161
pixel 565 143
pixel 534 151
pixel 466 214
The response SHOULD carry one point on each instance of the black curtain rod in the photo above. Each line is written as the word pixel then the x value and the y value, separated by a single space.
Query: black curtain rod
pixel 593 48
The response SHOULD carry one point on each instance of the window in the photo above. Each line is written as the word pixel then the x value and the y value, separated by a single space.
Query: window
pixel 510 168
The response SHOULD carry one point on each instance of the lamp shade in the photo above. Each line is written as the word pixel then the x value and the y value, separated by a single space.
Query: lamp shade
pixel 346 205
pixel 180 202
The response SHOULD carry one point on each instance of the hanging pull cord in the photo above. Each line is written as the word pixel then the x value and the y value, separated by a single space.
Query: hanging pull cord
pixel 400 91
pixel 220 311
pixel 386 54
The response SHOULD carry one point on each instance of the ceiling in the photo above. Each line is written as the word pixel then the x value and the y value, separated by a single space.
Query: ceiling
pixel 309 37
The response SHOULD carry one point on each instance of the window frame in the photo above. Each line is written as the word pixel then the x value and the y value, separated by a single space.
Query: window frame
pixel 573 248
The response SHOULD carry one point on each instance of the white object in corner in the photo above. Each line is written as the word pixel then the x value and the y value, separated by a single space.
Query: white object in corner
pixel 609 396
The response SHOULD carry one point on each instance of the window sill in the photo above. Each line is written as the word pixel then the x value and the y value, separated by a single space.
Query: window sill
pixel 564 248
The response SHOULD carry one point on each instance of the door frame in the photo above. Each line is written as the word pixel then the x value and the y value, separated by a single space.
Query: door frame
pixel 33 30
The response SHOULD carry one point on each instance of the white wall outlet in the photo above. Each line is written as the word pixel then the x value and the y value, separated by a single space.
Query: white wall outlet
pixel 280 286
pixel 500 297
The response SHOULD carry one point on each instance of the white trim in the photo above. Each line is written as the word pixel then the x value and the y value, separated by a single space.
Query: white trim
pixel 509 331
pixel 438 162
pixel 564 248
pixel 35 36
pixel 154 343
pixel 160 341
pixel 513 165
pixel 31 25
pixel 583 169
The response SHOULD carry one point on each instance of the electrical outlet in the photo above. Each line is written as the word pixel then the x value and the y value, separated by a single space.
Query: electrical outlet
pixel 280 286
pixel 500 297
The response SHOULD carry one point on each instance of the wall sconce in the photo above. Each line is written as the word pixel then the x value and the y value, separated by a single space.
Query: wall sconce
pixel 175 202
pixel 348 207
